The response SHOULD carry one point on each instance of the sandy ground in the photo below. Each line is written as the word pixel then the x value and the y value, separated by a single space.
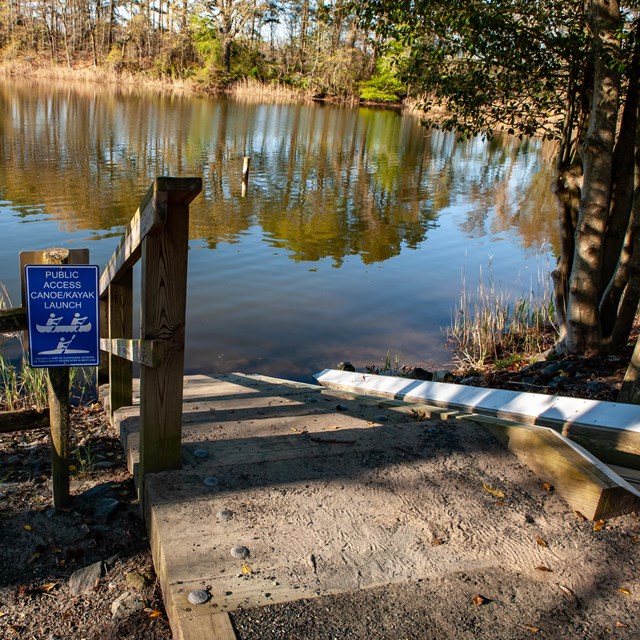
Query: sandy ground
pixel 402 528
pixel 433 532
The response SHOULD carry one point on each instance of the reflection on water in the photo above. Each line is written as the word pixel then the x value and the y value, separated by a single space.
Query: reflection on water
pixel 350 241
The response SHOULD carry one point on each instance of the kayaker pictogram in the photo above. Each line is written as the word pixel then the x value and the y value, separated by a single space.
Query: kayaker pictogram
pixel 62 347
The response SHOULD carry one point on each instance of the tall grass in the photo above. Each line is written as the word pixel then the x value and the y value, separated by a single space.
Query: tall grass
pixel 250 90
pixel 23 387
pixel 493 327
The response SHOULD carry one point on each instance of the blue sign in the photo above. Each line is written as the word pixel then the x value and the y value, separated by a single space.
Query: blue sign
pixel 62 308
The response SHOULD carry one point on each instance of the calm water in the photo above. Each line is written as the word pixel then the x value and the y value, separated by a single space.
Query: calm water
pixel 351 243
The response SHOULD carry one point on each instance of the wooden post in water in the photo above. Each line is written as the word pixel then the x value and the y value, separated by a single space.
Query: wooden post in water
pixel 58 396
pixel 246 163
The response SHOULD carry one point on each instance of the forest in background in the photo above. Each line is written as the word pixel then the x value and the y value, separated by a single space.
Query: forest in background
pixel 316 48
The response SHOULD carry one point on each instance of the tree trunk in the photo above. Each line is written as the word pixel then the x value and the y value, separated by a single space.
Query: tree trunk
pixel 618 244
pixel 584 334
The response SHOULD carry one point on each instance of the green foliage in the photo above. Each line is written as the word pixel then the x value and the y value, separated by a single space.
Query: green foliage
pixel 504 65
pixel 383 86
pixel 177 57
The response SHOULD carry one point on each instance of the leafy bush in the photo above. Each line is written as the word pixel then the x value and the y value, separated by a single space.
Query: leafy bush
pixel 383 86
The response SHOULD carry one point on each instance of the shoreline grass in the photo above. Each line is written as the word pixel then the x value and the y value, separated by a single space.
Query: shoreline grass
pixel 493 328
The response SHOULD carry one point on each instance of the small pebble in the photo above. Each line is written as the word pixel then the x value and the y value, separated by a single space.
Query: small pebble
pixel 225 515
pixel 211 481
pixel 201 453
pixel 198 596
pixel 240 552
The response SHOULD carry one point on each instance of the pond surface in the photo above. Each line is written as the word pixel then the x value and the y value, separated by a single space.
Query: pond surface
pixel 352 242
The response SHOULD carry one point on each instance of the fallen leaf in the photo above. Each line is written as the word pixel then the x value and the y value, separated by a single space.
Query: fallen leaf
pixel 296 430
pixel 530 627
pixel 541 541
pixel 479 600
pixel 72 468
pixel 566 591
pixel 625 591
pixel 543 568
pixel 247 570
pixel 599 525
pixel 621 625
pixel 48 586
pixel 580 517
pixel 2 614
pixel 548 487
pixel 499 503
pixel 155 614
pixel 436 542
pixel 494 492
pixel 27 527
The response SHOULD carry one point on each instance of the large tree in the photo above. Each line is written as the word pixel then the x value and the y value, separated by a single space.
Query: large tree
pixel 567 70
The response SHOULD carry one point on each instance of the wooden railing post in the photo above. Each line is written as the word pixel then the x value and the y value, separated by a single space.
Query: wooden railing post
pixel 120 319
pixel 158 234
pixel 103 368
pixel 163 307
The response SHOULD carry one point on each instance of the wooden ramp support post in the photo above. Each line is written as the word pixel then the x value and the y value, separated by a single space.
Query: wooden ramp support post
pixel 158 234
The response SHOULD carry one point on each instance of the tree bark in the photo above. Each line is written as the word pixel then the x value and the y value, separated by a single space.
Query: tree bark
pixel 585 285
pixel 618 243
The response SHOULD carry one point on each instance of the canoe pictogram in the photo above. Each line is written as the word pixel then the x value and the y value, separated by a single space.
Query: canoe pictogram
pixel 54 325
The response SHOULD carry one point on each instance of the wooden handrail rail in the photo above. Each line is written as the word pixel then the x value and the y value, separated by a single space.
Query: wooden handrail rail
pixel 151 214
pixel 14 319
pixel 158 235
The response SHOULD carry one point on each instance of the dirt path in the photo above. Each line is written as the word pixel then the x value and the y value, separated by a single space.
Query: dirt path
pixel 473 544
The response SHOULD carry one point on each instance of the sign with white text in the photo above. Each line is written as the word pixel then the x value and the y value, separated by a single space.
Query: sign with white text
pixel 62 309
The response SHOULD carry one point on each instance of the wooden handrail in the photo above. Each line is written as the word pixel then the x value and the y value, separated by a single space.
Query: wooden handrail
pixel 158 235
pixel 14 319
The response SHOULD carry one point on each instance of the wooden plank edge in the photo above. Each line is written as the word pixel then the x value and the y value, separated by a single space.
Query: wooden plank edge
pixel 23 420
pixel 180 190
pixel 144 221
pixel 202 626
pixel 150 353
pixel 623 450
pixel 257 377
pixel 13 320
pixel 551 409
pixel 585 482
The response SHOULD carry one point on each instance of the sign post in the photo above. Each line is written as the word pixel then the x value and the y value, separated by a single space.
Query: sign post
pixel 62 311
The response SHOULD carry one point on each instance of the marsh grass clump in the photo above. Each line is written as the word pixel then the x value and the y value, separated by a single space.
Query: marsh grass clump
pixel 252 90
pixel 495 328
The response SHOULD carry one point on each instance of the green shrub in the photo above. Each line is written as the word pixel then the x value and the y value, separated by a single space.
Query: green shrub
pixel 383 86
